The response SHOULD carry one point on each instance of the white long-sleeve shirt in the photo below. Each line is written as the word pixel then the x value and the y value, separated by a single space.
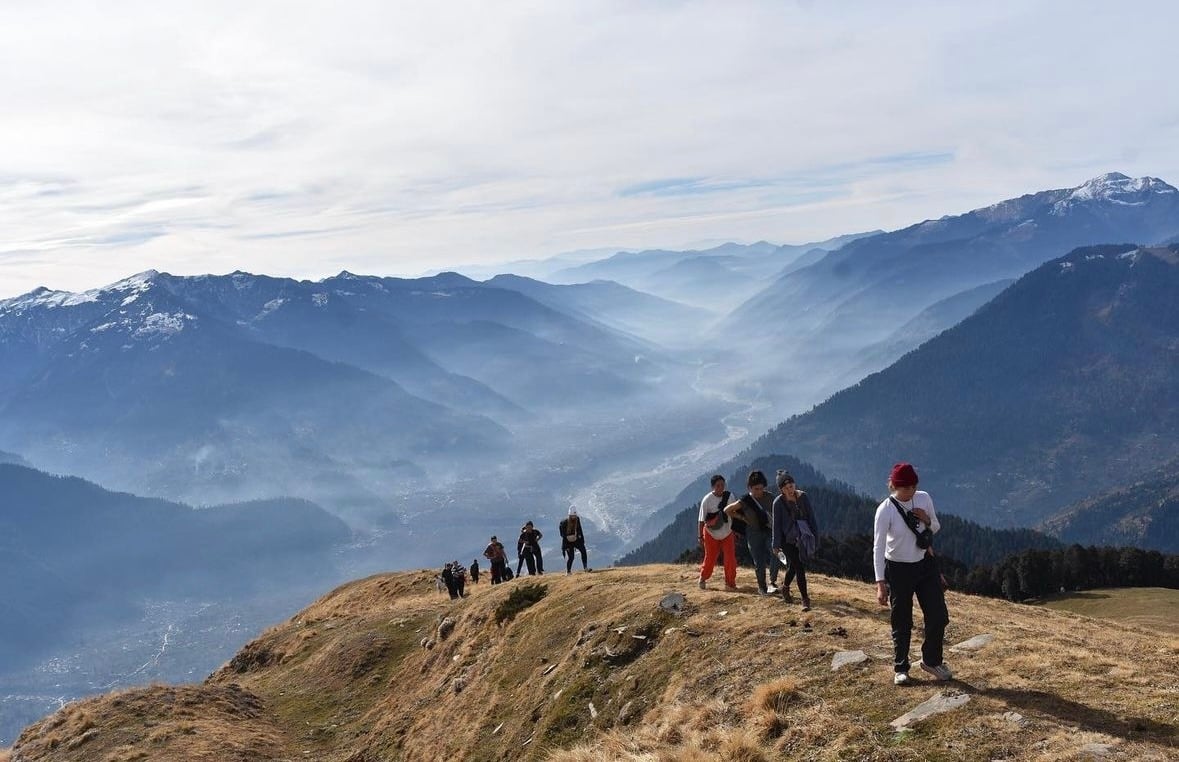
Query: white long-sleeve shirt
pixel 892 538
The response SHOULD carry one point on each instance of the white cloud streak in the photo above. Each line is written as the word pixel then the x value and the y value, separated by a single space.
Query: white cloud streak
pixel 305 138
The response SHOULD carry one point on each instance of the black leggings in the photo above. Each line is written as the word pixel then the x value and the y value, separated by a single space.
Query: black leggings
pixel 794 568
pixel 568 551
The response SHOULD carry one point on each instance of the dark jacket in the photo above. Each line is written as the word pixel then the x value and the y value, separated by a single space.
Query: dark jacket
pixel 785 516
pixel 756 516
pixel 565 531
pixel 529 540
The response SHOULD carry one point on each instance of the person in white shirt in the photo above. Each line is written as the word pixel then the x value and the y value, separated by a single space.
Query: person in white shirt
pixel 716 534
pixel 905 567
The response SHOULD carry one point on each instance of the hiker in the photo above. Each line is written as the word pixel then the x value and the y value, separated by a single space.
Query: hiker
pixel 439 585
pixel 528 549
pixel 902 535
pixel 460 578
pixel 475 571
pixel 716 534
pixel 494 552
pixel 448 579
pixel 524 554
pixel 795 534
pixel 572 539
pixel 753 510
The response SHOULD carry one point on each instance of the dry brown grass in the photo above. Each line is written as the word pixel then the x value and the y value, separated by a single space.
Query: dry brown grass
pixel 347 680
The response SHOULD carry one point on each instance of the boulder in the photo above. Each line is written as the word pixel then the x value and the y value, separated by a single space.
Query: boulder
pixel 843 658
pixel 941 702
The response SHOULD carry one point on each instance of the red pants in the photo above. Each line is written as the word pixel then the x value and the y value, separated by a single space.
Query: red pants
pixel 711 548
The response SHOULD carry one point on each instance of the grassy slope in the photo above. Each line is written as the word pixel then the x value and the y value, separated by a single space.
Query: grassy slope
pixel 1151 607
pixel 347 680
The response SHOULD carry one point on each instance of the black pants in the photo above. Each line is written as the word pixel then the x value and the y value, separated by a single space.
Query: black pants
pixel 905 580
pixel 568 551
pixel 527 558
pixel 794 568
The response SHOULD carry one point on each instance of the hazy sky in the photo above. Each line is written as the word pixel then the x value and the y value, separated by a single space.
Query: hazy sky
pixel 301 138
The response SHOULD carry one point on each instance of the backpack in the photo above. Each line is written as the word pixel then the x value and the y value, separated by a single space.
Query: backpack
pixel 720 518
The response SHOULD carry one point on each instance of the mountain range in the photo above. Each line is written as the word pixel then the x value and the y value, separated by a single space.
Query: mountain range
pixel 101 589
pixel 216 388
pixel 1062 387
pixel 861 294
pixel 717 279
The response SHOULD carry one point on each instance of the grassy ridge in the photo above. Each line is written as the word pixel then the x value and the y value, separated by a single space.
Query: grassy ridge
pixel 385 669
pixel 1152 607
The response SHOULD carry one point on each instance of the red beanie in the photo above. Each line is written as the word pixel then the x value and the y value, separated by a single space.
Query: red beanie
pixel 903 475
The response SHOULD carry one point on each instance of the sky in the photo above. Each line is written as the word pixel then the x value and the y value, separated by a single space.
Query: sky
pixel 302 139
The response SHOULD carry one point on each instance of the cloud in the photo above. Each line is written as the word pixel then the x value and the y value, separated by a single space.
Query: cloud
pixel 393 138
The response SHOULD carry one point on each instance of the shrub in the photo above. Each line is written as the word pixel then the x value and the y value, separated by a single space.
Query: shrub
pixel 519 599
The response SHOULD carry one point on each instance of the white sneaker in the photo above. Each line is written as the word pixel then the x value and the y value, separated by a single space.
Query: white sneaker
pixel 771 589
pixel 940 672
pixel 900 678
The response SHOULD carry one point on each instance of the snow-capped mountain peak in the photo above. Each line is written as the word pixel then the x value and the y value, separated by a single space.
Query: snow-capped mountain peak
pixel 1118 188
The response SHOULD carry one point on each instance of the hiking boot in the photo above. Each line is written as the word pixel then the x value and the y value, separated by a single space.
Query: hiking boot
pixel 940 672
pixel 806 603
pixel 900 678
pixel 703 585
pixel 787 597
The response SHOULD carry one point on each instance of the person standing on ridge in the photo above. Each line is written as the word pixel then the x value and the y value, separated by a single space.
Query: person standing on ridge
pixel 902 535
pixel 474 571
pixel 794 533
pixel 460 578
pixel 753 510
pixel 572 539
pixel 448 579
pixel 530 536
pixel 525 553
pixel 716 534
pixel 494 552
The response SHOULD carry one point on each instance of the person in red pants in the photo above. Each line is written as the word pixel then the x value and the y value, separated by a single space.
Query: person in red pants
pixel 716 534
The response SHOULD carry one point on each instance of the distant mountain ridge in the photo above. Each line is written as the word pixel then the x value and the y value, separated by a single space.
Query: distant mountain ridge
pixel 74 552
pixel 1065 381
pixel 715 278
pixel 859 294
pixel 1144 514
pixel 215 388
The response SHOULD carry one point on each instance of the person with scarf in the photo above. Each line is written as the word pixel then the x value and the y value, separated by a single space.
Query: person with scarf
pixel 793 520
